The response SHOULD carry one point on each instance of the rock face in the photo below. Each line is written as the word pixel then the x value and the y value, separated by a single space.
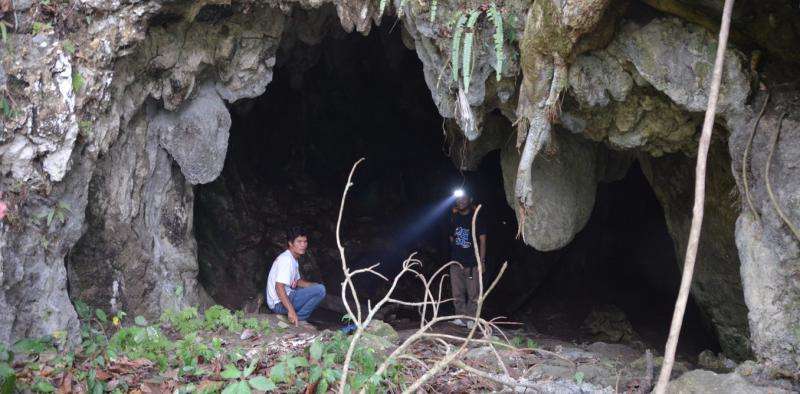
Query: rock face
pixel 768 248
pixel 716 286
pixel 107 125
pixel 700 381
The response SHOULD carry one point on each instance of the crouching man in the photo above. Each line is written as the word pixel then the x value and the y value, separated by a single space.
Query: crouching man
pixel 287 293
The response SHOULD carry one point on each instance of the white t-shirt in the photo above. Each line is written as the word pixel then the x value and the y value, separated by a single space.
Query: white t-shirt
pixel 284 270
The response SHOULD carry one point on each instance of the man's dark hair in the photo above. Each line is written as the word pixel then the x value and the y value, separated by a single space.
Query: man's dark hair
pixel 293 232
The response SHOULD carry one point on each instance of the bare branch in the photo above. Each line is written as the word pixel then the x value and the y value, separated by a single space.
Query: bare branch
pixel 699 201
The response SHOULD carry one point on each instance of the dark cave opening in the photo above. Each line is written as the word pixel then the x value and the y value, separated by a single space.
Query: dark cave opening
pixel 616 281
pixel 351 96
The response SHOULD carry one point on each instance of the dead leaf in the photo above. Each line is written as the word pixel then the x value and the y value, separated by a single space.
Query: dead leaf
pixel 5 6
pixel 101 375
pixel 66 383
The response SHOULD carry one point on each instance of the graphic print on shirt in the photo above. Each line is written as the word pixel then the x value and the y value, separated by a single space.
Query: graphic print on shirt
pixel 461 238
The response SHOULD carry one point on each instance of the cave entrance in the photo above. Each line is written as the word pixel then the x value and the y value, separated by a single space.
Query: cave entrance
pixel 617 281
pixel 291 149
pixel 350 96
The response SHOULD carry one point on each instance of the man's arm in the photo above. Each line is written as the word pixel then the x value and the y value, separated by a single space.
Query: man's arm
pixel 304 283
pixel 280 288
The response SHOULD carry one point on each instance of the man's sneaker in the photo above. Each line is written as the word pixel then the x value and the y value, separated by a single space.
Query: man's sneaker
pixel 458 322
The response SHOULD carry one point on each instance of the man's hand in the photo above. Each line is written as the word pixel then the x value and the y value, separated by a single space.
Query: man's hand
pixel 293 318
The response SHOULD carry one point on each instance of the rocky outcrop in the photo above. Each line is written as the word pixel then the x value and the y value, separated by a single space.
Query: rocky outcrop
pixel 768 248
pixel 564 189
pixel 196 136
pixel 700 381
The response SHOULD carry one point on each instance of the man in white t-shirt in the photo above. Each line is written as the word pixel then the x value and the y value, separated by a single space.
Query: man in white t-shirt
pixel 287 293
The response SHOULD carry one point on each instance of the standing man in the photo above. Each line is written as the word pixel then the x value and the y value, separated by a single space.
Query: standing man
pixel 464 278
pixel 287 293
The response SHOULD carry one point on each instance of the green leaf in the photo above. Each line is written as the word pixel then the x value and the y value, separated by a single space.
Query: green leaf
pixel 140 321
pixel 250 368
pixel 99 313
pixel 579 377
pixel 5 371
pixel 316 350
pixel 297 361
pixel 8 384
pixel 434 6
pixel 315 374
pixel 466 64
pixel 262 383
pixel 278 373
pixel 237 388
pixel 43 387
pixel 77 81
pixel 69 47
pixel 7 113
pixel 455 50
pixel 322 387
pixel 50 216
pixel 382 7
pixel 498 39
pixel 4 31
pixel 29 345
pixel 83 310
pixel 231 372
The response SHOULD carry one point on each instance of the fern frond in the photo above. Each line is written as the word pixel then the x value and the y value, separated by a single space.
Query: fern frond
pixel 466 65
pixel 455 49
pixel 434 4
pixel 498 38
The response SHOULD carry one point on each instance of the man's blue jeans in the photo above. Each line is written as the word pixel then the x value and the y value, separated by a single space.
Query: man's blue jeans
pixel 304 300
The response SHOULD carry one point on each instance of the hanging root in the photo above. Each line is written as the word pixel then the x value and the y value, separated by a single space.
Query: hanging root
pixel 745 160
pixel 538 136
pixel 557 85
pixel 772 198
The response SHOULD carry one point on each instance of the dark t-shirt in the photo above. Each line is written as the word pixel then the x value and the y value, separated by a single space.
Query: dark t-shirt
pixel 461 248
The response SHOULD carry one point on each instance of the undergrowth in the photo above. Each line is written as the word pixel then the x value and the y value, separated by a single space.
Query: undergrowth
pixel 184 352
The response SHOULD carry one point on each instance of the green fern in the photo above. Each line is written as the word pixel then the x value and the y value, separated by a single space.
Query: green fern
pixel 498 38
pixel 434 4
pixel 466 65
pixel 455 50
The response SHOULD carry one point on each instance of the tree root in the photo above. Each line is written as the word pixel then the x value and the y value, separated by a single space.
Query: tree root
pixel 745 159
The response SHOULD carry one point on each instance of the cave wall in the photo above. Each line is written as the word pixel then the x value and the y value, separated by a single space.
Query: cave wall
pixel 80 107
pixel 717 284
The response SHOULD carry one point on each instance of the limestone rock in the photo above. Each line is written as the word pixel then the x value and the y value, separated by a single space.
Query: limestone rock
pixel 706 382
pixel 769 252
pixel 197 135
pixel 564 186
pixel 610 324
pixel 677 58
pixel 715 362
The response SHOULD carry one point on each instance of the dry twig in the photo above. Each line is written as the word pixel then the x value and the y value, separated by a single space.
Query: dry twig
pixel 772 198
pixel 745 158
pixel 429 300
